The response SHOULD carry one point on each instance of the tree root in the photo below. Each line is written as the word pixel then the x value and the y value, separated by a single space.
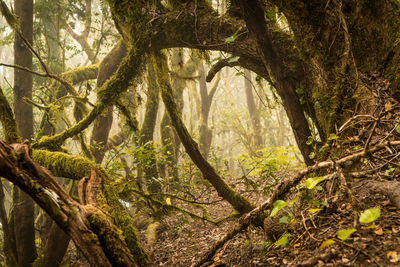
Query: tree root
pixel 391 189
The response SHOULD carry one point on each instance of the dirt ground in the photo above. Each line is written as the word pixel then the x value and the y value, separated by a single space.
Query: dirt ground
pixel 183 240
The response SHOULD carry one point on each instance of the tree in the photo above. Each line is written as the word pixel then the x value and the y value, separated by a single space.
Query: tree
pixel 321 68
pixel 23 205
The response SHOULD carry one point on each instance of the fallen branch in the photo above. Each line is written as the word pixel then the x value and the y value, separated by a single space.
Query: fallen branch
pixel 279 192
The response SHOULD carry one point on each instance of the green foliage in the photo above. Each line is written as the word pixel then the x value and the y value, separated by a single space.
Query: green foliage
pixel 264 169
pixel 277 206
pixel 370 215
pixel 345 233
pixel 269 160
pixel 310 183
pixel 283 241
pixel 232 38
pixel 234 59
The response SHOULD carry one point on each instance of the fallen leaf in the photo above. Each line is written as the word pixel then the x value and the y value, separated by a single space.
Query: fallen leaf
pixel 370 215
pixel 345 233
pixel 392 256
pixel 327 243
pixel 388 106
pixel 378 231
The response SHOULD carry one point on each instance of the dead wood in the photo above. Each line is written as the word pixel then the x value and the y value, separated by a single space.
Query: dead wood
pixel 279 193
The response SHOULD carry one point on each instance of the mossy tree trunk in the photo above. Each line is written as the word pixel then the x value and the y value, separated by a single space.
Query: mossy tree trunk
pixel 241 204
pixel 169 138
pixel 285 84
pixel 102 124
pixel 92 230
pixel 147 132
pixel 341 41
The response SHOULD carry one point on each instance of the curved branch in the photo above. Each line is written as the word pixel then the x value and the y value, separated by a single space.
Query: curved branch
pixel 240 203
pixel 227 62
pixel 108 94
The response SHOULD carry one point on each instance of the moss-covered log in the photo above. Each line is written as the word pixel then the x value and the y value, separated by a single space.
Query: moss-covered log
pixel 63 165
pixel 76 167
pixel 92 230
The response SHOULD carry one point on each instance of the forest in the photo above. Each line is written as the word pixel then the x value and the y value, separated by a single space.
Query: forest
pixel 199 133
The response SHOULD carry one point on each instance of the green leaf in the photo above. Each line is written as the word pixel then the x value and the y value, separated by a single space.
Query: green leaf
pixel 240 73
pixel 333 137
pixel 397 128
pixel 278 205
pixel 312 155
pixel 284 219
pixel 327 243
pixel 319 188
pixel 283 240
pixel 370 215
pixel 233 59
pixel 345 233
pixel 312 182
pixel 299 91
pixel 232 38
pixel 314 210
pixel 310 140
pixel 388 171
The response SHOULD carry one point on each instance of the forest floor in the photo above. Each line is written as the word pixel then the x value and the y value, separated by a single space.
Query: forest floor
pixel 183 240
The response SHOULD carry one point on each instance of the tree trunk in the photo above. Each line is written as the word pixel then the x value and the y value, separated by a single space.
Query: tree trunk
pixel 241 204
pixel 102 124
pixel 253 112
pixel 9 246
pixel 147 131
pixel 206 99
pixel 169 138
pixel 90 228
pixel 284 84
pixel 24 205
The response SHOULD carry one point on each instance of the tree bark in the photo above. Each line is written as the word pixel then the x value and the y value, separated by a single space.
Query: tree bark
pixel 206 99
pixel 169 138
pixel 24 205
pixel 102 124
pixel 147 131
pixel 241 204
pixel 285 85
pixel 89 227
pixel 253 112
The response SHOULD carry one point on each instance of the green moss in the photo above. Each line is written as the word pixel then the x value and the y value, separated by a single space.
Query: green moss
pixel 73 213
pixel 107 235
pixel 107 95
pixel 109 201
pixel 64 165
pixel 7 120
pixel 240 203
